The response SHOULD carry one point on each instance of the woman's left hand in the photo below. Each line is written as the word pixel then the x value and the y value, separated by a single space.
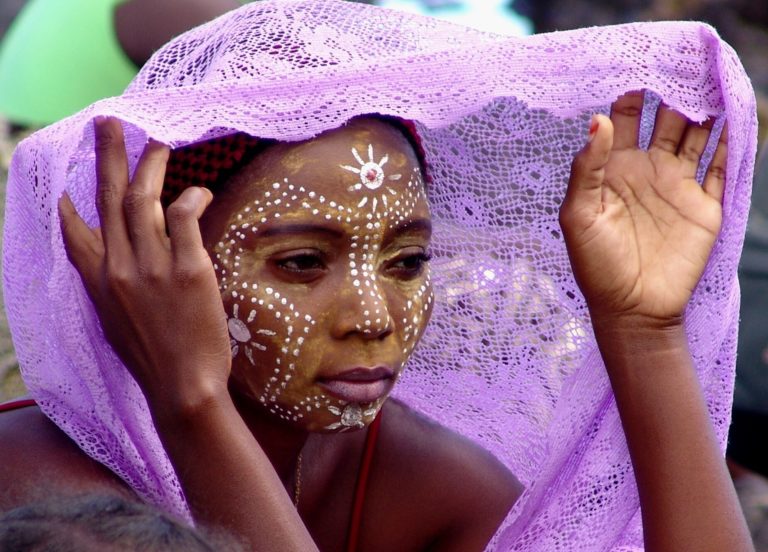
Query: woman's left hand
pixel 639 230
pixel 638 226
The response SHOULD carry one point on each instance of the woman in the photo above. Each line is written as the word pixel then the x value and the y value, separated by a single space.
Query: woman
pixel 264 284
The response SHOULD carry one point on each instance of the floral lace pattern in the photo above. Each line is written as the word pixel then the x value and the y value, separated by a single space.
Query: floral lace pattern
pixel 509 359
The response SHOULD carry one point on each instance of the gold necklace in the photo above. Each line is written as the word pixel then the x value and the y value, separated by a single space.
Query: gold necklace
pixel 297 481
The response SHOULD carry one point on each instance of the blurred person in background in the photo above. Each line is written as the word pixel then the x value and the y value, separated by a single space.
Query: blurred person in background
pixel 57 57
pixel 8 11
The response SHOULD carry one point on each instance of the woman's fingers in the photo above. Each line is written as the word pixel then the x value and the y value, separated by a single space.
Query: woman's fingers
pixel 83 245
pixel 183 215
pixel 583 199
pixel 625 116
pixel 142 208
pixel 112 180
pixel 692 147
pixel 714 180
pixel 673 133
pixel 668 130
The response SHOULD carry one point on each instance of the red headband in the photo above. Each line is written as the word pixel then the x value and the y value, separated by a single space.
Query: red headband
pixel 210 162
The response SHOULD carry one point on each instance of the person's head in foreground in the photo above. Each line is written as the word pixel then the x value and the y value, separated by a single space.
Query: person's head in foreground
pixel 102 523
pixel 276 353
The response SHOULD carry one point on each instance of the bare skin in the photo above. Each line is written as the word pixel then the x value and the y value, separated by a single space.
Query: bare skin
pixel 142 26
pixel 394 516
pixel 638 212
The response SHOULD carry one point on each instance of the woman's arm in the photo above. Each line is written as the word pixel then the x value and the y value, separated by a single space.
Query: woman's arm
pixel 639 231
pixel 141 281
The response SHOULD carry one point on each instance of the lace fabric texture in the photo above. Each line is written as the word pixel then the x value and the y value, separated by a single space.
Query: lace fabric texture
pixel 509 359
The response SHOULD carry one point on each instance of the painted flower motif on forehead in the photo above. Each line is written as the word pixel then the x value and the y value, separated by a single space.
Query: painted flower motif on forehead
pixel 371 173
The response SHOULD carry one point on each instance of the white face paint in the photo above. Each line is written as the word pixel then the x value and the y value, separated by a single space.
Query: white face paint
pixel 320 277
pixel 371 173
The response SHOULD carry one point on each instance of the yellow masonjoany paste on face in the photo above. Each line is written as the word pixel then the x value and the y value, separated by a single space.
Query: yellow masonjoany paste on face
pixel 323 278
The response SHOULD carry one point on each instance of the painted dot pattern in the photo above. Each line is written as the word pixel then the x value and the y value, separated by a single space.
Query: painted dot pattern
pixel 250 303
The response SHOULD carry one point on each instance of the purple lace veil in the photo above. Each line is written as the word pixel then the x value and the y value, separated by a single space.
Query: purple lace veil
pixel 509 359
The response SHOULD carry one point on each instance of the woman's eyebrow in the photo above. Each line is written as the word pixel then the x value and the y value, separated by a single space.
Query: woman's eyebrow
pixel 299 228
pixel 414 225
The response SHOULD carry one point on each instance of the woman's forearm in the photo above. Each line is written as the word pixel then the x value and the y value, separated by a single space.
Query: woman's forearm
pixel 688 501
pixel 226 476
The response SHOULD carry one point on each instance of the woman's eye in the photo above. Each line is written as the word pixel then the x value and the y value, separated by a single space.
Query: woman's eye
pixel 301 262
pixel 305 266
pixel 409 265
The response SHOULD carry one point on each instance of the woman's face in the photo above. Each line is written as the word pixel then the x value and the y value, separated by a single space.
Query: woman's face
pixel 320 248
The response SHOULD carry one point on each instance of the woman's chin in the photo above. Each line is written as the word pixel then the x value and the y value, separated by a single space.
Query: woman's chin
pixel 341 419
pixel 331 416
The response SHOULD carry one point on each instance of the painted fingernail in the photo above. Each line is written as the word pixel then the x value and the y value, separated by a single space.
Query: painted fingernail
pixel 65 203
pixel 594 125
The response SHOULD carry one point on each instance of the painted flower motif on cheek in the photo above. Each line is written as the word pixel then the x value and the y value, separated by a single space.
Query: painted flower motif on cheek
pixel 282 361
pixel 240 334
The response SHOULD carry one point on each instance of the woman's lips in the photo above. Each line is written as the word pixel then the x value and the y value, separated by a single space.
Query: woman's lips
pixel 359 385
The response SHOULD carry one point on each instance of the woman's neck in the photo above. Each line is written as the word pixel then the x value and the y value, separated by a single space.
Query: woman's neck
pixel 280 441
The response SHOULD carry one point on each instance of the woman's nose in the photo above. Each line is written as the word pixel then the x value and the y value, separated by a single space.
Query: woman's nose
pixel 363 309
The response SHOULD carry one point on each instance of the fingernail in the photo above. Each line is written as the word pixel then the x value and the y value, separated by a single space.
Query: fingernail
pixel 207 194
pixel 594 125
pixel 64 201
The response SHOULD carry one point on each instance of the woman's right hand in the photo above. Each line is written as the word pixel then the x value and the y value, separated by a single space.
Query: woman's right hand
pixel 158 300
pixel 155 293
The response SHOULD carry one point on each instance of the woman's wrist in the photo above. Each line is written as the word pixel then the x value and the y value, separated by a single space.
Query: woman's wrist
pixel 187 401
pixel 638 330
pixel 637 343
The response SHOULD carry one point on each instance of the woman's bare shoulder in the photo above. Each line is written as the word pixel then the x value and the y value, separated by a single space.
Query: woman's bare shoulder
pixel 465 486
pixel 38 460
pixel 433 453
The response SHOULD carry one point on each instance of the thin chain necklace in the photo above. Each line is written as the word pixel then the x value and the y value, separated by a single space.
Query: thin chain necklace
pixel 297 481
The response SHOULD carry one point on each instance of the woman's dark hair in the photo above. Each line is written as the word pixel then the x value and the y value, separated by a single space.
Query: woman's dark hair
pixel 99 523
